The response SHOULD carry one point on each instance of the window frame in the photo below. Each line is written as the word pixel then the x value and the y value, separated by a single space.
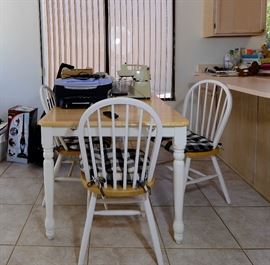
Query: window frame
pixel 107 61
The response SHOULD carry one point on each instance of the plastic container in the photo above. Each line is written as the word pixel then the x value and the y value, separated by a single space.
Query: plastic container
pixel 229 60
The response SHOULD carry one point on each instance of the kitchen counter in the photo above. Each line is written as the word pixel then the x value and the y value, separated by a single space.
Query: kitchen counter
pixel 246 138
pixel 252 85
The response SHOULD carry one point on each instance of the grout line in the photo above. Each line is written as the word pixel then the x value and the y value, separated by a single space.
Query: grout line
pixel 232 235
pixel 16 243
pixel 4 171
pixel 158 228
pixel 130 247
pixel 160 234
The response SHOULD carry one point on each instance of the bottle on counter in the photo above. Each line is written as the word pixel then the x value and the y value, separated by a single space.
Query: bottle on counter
pixel 229 60
pixel 237 57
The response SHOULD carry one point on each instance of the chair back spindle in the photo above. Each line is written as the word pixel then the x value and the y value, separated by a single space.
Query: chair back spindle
pixel 207 106
pixel 48 102
pixel 131 136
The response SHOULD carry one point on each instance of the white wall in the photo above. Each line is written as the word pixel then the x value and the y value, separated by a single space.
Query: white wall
pixel 20 70
pixel 193 49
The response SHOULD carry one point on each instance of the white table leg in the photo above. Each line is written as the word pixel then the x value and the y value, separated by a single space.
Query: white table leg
pixel 179 183
pixel 48 165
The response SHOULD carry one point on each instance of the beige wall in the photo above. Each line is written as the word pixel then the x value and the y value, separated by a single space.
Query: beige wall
pixel 192 49
pixel 20 67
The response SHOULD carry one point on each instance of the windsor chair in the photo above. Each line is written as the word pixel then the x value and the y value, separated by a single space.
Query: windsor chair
pixel 207 105
pixel 67 148
pixel 124 171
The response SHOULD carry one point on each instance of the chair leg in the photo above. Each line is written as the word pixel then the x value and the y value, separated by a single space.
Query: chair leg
pixel 88 199
pixel 142 210
pixel 57 165
pixel 43 204
pixel 221 179
pixel 71 169
pixel 87 228
pixel 153 230
pixel 187 167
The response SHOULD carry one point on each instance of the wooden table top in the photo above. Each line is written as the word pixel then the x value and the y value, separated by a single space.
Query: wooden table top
pixel 252 85
pixel 59 117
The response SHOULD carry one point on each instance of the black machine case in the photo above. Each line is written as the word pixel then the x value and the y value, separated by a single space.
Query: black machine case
pixel 79 98
pixel 76 97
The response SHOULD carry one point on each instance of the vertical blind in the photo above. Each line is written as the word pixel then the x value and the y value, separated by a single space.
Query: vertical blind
pixel 139 32
pixel 72 32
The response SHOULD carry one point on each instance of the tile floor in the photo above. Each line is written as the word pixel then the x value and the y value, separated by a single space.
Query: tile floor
pixel 215 233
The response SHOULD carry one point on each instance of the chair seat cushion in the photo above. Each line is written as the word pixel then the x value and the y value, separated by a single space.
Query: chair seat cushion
pixel 195 143
pixel 108 155
pixel 73 142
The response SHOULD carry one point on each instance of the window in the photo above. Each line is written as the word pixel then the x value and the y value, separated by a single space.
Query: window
pixel 104 34
pixel 268 22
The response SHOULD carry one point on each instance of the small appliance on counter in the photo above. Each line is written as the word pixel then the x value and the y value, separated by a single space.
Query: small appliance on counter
pixel 220 71
pixel 138 86
pixel 21 123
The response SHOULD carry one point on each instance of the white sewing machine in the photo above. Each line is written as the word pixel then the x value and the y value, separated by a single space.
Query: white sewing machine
pixel 140 74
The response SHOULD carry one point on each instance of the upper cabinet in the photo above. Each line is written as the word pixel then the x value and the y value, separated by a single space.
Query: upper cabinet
pixel 234 17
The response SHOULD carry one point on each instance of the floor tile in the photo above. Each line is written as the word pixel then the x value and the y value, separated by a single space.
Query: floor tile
pixel 69 222
pixel 120 231
pixel 162 194
pixel 65 170
pixel 241 193
pixel 3 166
pixel 259 256
pixel 123 256
pixel 163 172
pixel 203 228
pixel 249 225
pixel 207 257
pixel 164 156
pixel 34 255
pixel 12 219
pixel 194 197
pixel 5 252
pixel 212 236
pixel 19 190
pixel 16 170
pixel 207 166
pixel 67 193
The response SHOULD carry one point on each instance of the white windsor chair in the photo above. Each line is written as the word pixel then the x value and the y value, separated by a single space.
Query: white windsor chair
pixel 64 153
pixel 119 173
pixel 207 105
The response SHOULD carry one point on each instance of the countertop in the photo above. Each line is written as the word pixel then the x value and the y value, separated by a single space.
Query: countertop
pixel 252 85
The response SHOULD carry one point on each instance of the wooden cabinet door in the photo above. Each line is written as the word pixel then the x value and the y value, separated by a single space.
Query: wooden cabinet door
pixel 239 16
pixel 239 136
pixel 262 178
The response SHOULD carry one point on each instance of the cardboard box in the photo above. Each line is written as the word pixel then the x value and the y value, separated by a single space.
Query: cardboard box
pixel 21 123
pixel 3 145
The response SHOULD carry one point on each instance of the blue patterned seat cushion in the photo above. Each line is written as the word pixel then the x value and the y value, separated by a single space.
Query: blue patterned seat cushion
pixel 195 143
pixel 108 155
